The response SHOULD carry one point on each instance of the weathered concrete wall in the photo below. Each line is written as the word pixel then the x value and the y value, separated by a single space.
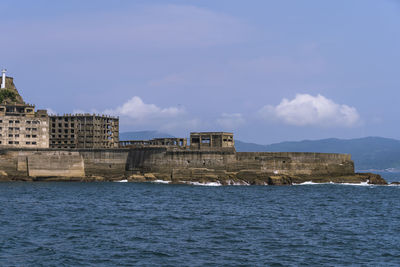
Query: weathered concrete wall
pixel 269 162
pixel 111 163
pixel 54 164
pixel 105 162
pixel 295 163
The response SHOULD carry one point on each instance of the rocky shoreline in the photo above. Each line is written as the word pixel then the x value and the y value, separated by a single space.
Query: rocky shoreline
pixel 240 178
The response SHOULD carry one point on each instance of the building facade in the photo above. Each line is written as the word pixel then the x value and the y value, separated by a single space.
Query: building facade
pixel 20 125
pixel 211 140
pixel 84 131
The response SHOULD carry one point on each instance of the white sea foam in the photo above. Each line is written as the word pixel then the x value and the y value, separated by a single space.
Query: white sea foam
pixel 306 183
pixel 161 182
pixel 356 184
pixel 205 184
pixel 122 181
pixel 230 182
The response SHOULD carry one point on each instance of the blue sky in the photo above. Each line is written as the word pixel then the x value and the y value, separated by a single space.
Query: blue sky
pixel 267 70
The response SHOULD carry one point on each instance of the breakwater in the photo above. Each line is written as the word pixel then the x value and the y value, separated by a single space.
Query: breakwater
pixel 161 163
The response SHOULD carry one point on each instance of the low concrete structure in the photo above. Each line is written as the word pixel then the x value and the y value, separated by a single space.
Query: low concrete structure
pixel 156 142
pixel 211 140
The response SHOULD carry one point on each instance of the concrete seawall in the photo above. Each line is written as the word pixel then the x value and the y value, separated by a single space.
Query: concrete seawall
pixel 172 165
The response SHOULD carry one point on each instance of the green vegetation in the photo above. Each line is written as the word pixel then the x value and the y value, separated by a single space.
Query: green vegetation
pixel 8 94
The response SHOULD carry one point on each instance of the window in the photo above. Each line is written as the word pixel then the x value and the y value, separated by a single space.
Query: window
pixel 59 125
pixel 10 142
pixel 16 142
pixel 53 131
pixel 17 135
pixel 28 129
pixel 16 121
pixel 10 135
pixel 10 122
pixel 28 122
pixel 34 135
pixel 66 125
pixel 34 129
pixel 28 143
pixel 1 121
pixel 16 128
pixel 28 136
pixel 53 125
pixel 33 143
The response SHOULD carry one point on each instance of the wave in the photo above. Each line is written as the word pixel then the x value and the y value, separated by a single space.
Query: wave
pixel 161 182
pixel 356 184
pixel 230 182
pixel 122 181
pixel 205 184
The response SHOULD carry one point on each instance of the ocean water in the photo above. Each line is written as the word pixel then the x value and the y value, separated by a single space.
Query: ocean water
pixel 125 224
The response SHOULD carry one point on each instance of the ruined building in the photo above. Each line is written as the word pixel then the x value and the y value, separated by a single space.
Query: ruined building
pixel 20 124
pixel 84 131
pixel 209 141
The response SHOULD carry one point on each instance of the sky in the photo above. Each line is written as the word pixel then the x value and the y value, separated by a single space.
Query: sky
pixel 269 71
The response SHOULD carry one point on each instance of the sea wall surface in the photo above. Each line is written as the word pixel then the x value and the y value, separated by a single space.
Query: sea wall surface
pixel 160 163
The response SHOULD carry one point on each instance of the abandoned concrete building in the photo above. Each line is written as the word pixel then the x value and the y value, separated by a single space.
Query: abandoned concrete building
pixel 20 124
pixel 84 131
pixel 198 141
pixel 211 140
pixel 169 142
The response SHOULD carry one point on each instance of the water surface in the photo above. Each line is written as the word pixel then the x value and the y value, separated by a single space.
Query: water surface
pixel 108 224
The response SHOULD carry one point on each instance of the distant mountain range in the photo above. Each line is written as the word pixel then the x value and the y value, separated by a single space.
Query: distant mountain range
pixel 368 153
pixel 142 135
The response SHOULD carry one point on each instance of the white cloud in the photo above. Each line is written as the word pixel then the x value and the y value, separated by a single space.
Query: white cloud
pixel 308 110
pixel 230 121
pixel 137 110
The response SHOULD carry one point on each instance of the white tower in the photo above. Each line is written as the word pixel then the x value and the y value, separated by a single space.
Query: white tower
pixel 3 79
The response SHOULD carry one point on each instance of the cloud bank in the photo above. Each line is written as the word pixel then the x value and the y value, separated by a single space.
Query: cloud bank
pixel 137 110
pixel 308 110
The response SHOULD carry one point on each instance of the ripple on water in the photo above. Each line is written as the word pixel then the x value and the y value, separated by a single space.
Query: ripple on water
pixel 103 224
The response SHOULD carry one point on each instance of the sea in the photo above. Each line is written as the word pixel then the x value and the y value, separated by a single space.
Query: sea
pixel 155 224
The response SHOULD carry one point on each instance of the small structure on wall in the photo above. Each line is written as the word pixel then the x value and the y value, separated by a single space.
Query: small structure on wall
pixel 211 140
